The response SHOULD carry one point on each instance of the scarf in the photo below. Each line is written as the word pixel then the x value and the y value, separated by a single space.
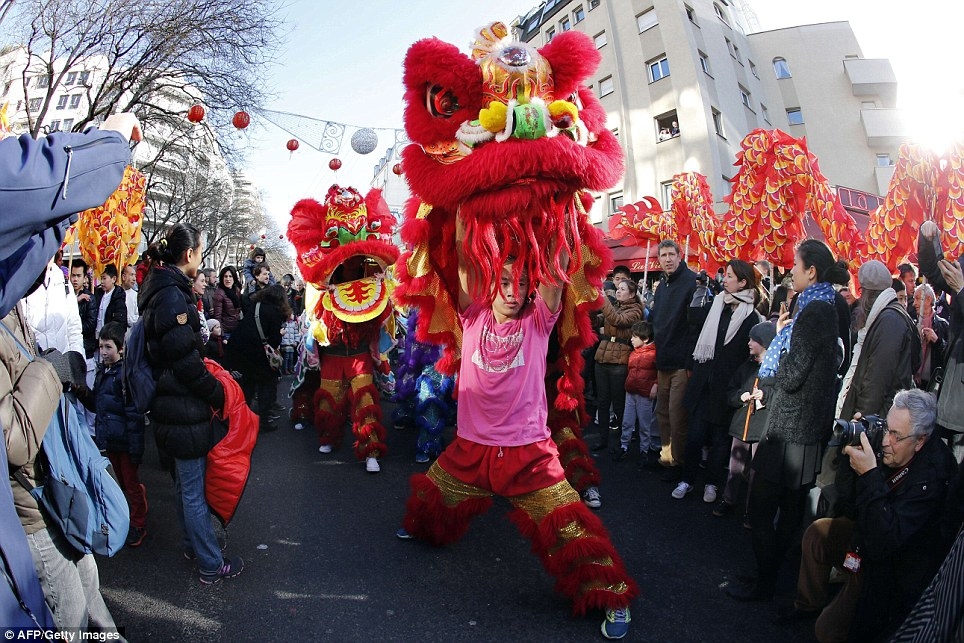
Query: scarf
pixel 232 294
pixel 820 291
pixel 706 344
pixel 883 299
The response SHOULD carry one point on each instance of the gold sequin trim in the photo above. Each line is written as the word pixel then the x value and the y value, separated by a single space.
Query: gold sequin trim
pixel 539 504
pixel 452 489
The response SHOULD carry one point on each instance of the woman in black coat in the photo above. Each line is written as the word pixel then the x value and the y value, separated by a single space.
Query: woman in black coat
pixel 186 395
pixel 801 363
pixel 245 350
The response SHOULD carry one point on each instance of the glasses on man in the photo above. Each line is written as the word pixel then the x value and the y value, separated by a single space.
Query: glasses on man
pixel 897 437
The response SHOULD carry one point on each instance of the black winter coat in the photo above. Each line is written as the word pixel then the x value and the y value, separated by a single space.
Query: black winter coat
pixel 116 309
pixel 674 340
pixel 186 392
pixel 802 404
pixel 88 323
pixel 245 351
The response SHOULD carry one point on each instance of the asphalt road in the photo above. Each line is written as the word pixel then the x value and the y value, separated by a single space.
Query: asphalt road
pixel 322 563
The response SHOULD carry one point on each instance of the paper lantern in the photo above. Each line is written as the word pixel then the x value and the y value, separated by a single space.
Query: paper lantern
pixel 334 164
pixel 364 141
pixel 292 145
pixel 195 114
pixel 397 169
pixel 241 120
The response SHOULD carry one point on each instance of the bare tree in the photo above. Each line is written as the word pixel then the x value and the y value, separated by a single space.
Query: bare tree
pixel 144 47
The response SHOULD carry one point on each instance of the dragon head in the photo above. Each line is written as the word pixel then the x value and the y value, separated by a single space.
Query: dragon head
pixel 343 249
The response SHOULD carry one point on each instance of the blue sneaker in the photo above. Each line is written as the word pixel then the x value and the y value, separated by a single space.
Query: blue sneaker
pixel 229 569
pixel 402 534
pixel 422 458
pixel 616 624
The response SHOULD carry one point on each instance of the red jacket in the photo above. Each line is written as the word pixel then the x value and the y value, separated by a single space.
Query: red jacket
pixel 229 462
pixel 642 370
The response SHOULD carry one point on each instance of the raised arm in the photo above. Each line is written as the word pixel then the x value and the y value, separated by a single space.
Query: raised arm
pixel 465 279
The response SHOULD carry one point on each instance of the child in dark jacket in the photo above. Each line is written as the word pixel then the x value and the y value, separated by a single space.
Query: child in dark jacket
pixel 640 391
pixel 119 428
pixel 748 394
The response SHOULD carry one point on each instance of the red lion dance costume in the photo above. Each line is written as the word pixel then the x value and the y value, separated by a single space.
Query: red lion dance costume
pixel 509 140
pixel 344 250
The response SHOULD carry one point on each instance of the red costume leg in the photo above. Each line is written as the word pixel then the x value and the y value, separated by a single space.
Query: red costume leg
pixel 366 417
pixel 574 547
pixel 330 405
pixel 441 506
pixel 566 431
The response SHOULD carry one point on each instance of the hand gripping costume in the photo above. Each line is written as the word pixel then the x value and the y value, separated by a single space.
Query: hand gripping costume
pixel 509 140
pixel 343 251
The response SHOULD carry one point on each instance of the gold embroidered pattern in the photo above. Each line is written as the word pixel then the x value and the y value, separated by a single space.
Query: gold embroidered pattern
pixel 452 489
pixel 539 504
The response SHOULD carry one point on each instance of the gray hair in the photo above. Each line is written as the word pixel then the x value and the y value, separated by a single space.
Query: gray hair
pixel 922 407
pixel 926 291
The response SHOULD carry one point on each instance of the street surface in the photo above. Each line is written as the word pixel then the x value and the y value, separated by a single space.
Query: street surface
pixel 322 563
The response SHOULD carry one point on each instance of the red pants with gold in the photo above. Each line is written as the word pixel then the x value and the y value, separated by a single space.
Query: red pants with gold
pixel 348 385
pixel 570 540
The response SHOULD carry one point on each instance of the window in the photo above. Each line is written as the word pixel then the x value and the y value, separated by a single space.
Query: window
pixel 667 126
pixel 736 53
pixel 705 63
pixel 745 96
pixel 690 13
pixel 615 202
pixel 883 160
pixel 766 114
pixel 720 13
pixel 75 101
pixel 565 24
pixel 729 47
pixel 795 116
pixel 593 4
pixel 34 104
pixel 666 195
pixel 54 126
pixel 646 20
pixel 600 40
pixel 62 102
pixel 781 68
pixel 43 82
pixel 71 78
pixel 753 69
pixel 718 121
pixel 606 86
pixel 615 132
pixel 868 104
pixel 84 77
pixel 550 34
pixel 68 124
pixel 578 15
pixel 658 69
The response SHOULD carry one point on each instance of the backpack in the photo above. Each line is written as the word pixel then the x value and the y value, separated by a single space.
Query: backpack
pixel 137 375
pixel 79 493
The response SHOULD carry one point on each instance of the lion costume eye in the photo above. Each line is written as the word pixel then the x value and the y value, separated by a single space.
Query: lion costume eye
pixel 374 226
pixel 332 232
pixel 441 102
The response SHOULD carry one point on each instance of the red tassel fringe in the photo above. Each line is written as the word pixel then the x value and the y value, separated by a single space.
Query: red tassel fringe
pixel 430 520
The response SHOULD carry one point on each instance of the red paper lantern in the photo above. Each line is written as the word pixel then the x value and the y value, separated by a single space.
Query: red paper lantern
pixel 195 114
pixel 241 120
pixel 292 145
pixel 281 236
pixel 397 169
pixel 334 164
pixel 264 236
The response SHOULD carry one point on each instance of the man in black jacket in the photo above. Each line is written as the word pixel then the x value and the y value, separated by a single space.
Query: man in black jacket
pixel 886 535
pixel 85 306
pixel 674 351
pixel 110 301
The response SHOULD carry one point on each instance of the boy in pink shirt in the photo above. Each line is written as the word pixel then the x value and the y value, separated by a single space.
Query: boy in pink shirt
pixel 503 447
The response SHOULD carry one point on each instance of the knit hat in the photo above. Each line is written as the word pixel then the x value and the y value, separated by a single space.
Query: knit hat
pixel 213 323
pixel 763 333
pixel 874 275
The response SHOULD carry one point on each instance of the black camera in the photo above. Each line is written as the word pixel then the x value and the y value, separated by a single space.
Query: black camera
pixel 848 432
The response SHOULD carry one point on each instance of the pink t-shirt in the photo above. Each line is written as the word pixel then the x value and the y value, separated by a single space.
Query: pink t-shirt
pixel 502 391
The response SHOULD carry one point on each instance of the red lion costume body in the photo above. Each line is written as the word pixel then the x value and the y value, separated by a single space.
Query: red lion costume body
pixel 508 141
pixel 344 250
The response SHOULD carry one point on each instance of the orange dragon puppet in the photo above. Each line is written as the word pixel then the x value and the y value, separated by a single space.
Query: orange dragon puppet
pixel 507 143
pixel 343 251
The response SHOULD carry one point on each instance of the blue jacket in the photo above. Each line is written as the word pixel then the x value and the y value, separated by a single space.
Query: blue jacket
pixel 118 426
pixel 43 185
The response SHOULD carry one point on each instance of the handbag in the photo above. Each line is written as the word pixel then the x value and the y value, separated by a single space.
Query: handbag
pixel 274 357
pixel 950 391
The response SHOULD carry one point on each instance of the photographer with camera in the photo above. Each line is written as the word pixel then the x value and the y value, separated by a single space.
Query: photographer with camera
pixel 886 530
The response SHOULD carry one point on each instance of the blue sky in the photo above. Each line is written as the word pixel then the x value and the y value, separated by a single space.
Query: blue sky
pixel 343 62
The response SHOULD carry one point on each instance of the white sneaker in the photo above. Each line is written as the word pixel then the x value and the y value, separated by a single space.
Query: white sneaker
pixel 299 426
pixel 681 490
pixel 371 465
pixel 324 448
pixel 592 498
pixel 709 493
